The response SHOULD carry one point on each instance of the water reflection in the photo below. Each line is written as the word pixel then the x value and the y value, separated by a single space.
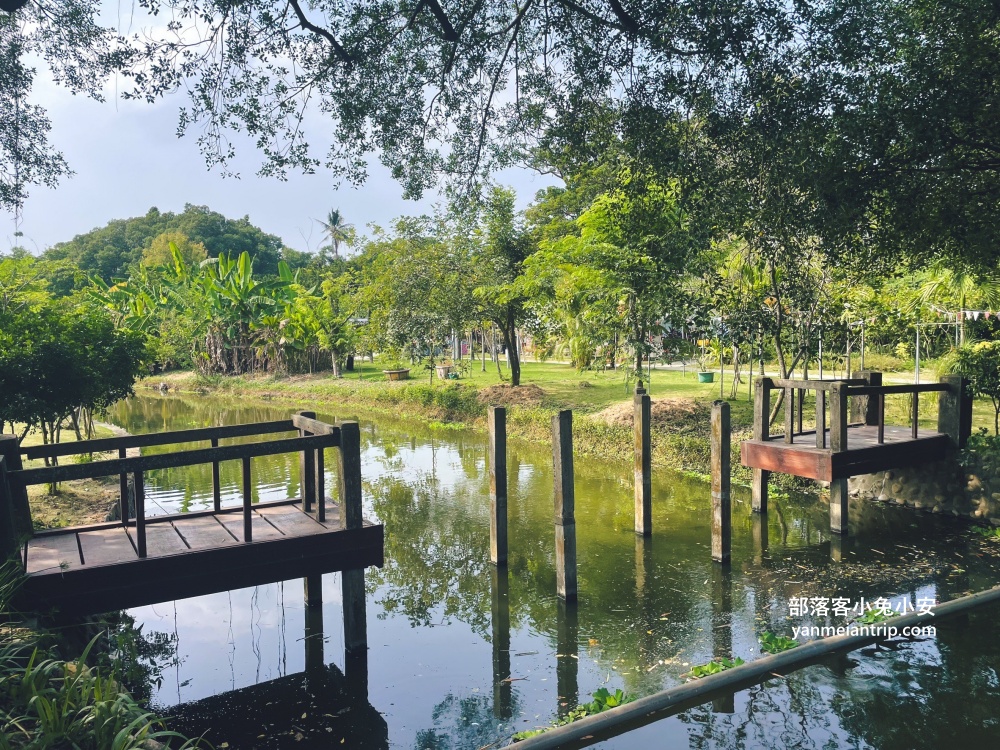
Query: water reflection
pixel 461 656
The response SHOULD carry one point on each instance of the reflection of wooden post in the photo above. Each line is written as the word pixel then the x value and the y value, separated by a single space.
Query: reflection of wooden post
pixel 500 599
pixel 838 444
pixel 307 469
pixel 497 423
pixel 761 431
pixel 350 475
pixel 758 530
pixel 565 519
pixel 722 630
pixel 312 589
pixel 643 564
pixel 313 636
pixel 722 525
pixel 355 628
pixel 20 511
pixel 643 463
pixel 567 657
pixel 840 545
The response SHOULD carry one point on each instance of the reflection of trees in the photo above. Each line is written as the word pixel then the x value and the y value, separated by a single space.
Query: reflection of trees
pixel 462 723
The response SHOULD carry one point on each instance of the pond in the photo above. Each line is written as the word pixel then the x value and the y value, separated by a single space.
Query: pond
pixel 461 657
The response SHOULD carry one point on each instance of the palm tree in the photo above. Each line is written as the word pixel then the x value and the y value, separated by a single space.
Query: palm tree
pixel 337 230
pixel 947 285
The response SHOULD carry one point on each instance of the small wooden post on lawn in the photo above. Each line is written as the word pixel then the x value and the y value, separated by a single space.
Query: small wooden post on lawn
pixel 497 422
pixel 838 444
pixel 722 527
pixel 565 519
pixel 20 511
pixel 643 463
pixel 761 431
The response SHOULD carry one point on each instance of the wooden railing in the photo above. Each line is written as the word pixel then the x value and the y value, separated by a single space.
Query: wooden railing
pixel 868 408
pixel 314 437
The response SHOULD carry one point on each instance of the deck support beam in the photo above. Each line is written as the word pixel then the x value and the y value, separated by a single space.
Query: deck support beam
pixel 838 444
pixel 355 628
pixel 17 493
pixel 761 431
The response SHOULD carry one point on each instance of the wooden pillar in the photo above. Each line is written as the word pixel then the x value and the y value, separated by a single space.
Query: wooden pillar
pixel 761 431
pixel 643 463
pixel 497 422
pixel 307 469
pixel 247 502
pixel 355 629
pixel 840 545
pixel 20 510
pixel 838 444
pixel 758 531
pixel 864 409
pixel 350 475
pixel 140 514
pixel 9 546
pixel 123 492
pixel 319 466
pixel 567 657
pixel 952 407
pixel 314 636
pixel 565 519
pixel 722 529
pixel 500 600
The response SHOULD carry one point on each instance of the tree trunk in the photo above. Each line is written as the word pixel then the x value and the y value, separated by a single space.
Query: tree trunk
pixel 335 363
pixel 510 342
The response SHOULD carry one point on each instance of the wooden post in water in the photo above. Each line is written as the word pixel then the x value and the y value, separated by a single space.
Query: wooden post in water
pixel 20 511
pixel 500 599
pixel 643 463
pixel 307 469
pixel 565 519
pixel 761 431
pixel 722 524
pixel 355 628
pixel 838 444
pixel 497 422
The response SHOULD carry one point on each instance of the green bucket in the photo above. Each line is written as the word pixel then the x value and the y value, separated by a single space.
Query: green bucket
pixel 706 377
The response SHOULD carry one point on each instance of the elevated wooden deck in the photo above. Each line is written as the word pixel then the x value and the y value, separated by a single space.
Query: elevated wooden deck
pixel 97 568
pixel 863 445
pixel 144 560
pixel 864 456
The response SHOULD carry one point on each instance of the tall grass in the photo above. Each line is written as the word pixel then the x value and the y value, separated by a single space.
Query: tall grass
pixel 47 701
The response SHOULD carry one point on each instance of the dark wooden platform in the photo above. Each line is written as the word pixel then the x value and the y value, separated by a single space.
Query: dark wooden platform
pixel 97 568
pixel 865 455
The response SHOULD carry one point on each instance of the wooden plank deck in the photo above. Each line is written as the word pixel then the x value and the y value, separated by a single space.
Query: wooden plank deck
pixel 864 454
pixel 97 568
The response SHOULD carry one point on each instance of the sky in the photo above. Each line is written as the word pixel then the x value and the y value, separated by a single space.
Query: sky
pixel 127 158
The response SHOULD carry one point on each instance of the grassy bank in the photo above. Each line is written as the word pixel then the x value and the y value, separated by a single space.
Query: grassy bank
pixel 602 408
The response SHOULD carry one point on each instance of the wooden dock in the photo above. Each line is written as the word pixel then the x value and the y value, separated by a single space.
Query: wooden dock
pixel 141 560
pixel 857 441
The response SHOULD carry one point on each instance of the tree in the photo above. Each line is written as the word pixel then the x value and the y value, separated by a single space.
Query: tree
pixel 980 363
pixel 337 231
pixel 161 249
pixel 498 263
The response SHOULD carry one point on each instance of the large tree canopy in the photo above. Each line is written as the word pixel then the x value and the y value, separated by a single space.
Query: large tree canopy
pixel 871 121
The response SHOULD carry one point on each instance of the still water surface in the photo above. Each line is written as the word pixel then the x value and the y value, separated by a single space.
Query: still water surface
pixel 461 657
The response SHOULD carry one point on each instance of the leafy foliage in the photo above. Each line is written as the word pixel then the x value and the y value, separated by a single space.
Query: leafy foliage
pixel 714 667
pixel 775 644
pixel 603 700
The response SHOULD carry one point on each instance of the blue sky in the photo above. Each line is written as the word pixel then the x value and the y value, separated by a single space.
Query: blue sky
pixel 127 158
